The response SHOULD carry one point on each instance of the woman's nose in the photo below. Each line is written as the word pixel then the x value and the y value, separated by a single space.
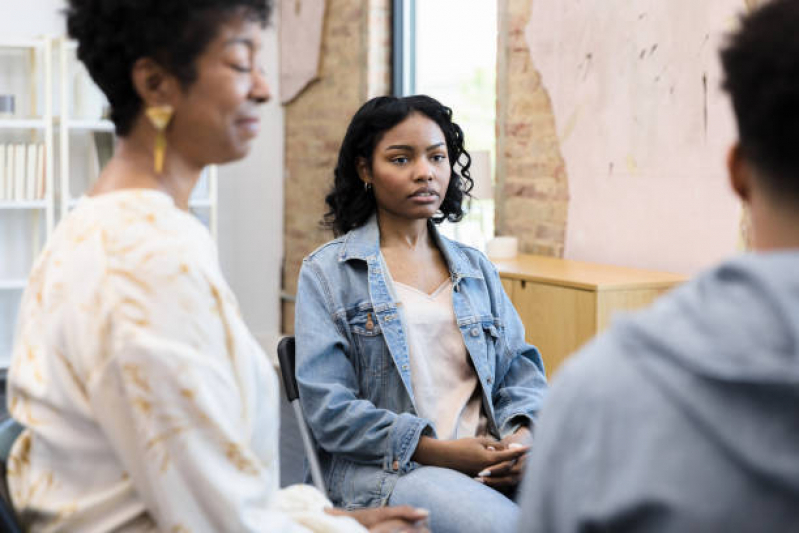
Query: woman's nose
pixel 260 91
pixel 424 171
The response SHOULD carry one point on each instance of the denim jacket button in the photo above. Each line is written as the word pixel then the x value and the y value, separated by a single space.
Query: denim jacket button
pixel 405 367
pixel 475 332
pixel 395 465
pixel 489 380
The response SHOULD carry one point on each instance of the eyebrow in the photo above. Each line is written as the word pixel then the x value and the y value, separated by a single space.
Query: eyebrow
pixel 410 148
pixel 241 40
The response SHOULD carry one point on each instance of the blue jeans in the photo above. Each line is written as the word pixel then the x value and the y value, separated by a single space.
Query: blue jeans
pixel 457 503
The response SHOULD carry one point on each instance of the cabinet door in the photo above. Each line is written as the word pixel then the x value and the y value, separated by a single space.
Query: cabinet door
pixel 557 320
pixel 507 284
pixel 611 302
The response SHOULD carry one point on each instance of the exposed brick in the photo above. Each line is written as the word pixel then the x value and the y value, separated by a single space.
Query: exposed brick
pixel 532 182
pixel 355 64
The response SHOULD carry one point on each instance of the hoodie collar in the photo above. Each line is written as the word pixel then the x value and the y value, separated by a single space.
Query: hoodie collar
pixel 363 244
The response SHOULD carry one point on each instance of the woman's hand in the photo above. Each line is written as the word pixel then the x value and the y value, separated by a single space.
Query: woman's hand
pixel 470 455
pixel 399 519
pixel 399 526
pixel 507 474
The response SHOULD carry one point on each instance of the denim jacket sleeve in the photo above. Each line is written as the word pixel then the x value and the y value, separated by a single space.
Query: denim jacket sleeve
pixel 520 382
pixel 343 423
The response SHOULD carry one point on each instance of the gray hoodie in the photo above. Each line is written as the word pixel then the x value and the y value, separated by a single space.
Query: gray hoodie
pixel 683 417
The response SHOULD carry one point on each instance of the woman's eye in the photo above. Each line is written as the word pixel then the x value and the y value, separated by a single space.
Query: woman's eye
pixel 439 158
pixel 399 160
pixel 245 69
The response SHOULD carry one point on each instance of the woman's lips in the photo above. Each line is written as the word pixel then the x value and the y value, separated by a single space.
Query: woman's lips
pixel 424 197
pixel 250 124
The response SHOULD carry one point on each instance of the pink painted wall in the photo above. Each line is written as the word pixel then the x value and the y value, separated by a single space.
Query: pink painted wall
pixel 643 125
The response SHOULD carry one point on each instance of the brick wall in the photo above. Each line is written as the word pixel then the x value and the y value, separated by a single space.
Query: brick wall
pixel 355 65
pixel 532 186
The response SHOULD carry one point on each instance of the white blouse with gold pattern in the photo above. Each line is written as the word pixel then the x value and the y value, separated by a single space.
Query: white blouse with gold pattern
pixel 148 404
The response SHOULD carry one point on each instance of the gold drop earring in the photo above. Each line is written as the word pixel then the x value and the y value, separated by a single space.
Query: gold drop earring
pixel 160 116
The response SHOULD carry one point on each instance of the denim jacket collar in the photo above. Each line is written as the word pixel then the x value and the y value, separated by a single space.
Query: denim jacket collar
pixel 363 244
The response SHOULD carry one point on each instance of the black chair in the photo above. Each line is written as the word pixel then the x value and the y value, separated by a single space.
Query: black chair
pixel 9 431
pixel 285 355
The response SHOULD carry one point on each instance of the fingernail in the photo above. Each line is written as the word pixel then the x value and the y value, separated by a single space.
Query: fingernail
pixel 422 511
pixel 515 445
pixel 479 480
pixel 491 448
pixel 484 473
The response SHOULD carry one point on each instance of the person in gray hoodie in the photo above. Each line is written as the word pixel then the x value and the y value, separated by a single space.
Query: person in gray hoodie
pixel 685 417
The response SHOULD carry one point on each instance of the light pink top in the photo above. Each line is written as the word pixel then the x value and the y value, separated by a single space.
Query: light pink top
pixel 444 382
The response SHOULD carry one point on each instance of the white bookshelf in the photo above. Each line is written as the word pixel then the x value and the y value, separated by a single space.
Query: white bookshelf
pixel 19 247
pixel 204 200
pixel 25 224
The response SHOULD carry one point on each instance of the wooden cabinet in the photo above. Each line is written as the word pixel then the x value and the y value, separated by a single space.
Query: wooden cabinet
pixel 564 303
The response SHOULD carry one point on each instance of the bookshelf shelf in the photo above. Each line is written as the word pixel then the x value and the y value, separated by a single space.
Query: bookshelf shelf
pixel 23 204
pixel 90 125
pixel 23 124
pixel 31 44
pixel 200 203
pixel 13 284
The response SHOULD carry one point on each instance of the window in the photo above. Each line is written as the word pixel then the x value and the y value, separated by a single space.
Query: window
pixel 447 49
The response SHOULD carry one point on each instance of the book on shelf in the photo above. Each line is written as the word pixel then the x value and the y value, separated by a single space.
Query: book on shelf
pixel 41 172
pixel 23 174
pixel 9 171
pixel 19 172
pixel 3 172
pixel 30 172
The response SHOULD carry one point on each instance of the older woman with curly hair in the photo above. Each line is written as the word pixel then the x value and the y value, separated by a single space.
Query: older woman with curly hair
pixel 414 373
pixel 148 406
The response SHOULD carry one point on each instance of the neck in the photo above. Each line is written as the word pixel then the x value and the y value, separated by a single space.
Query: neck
pixel 402 232
pixel 133 167
pixel 775 226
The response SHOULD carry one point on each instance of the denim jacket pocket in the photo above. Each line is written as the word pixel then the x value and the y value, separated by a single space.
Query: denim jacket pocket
pixel 491 337
pixel 371 355
pixel 357 486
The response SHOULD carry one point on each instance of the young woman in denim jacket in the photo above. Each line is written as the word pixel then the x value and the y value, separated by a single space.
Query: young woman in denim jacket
pixel 413 370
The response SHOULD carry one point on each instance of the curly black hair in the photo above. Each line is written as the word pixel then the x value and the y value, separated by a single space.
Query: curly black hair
pixel 761 69
pixel 113 34
pixel 350 205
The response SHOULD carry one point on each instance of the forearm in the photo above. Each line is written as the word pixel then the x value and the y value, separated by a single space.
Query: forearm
pixel 431 452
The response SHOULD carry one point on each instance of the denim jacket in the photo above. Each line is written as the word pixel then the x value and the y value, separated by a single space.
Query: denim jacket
pixel 353 368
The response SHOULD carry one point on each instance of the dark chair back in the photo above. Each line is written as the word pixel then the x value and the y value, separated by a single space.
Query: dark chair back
pixel 9 431
pixel 286 356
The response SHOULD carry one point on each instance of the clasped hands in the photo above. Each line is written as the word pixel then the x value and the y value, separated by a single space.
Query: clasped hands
pixel 498 464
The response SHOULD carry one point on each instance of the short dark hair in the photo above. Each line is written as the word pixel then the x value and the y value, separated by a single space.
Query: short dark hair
pixel 350 206
pixel 761 69
pixel 113 34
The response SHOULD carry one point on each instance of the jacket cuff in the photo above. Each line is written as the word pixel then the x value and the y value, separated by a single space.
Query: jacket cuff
pixel 403 440
pixel 512 423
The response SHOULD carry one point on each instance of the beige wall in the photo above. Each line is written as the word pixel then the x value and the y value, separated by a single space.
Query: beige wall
pixel 612 131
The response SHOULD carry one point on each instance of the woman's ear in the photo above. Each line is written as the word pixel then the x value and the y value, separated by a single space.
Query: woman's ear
pixel 740 173
pixel 153 83
pixel 364 173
